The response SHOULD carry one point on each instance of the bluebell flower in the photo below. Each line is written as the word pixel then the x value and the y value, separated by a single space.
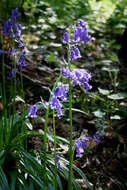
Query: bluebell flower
pixel 65 38
pixel 79 149
pixel 81 32
pixel 77 53
pixel 33 111
pixel 82 23
pixel 78 77
pixel 85 37
pixel 56 105
pixel 72 55
pixel 59 95
pixel 17 30
pixel 77 34
pixel 21 61
pixel 7 27
pixel 61 92
pixel 12 52
pixel 80 145
pixel 66 72
pixel 97 138
pixel 14 14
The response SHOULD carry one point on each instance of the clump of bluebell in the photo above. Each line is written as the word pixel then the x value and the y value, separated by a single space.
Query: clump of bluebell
pixel 12 31
pixel 75 36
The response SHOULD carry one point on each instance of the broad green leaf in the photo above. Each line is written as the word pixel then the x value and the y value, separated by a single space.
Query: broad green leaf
pixel 2 156
pixel 104 91
pixel 118 96
pixel 99 113
pixel 3 181
pixel 13 176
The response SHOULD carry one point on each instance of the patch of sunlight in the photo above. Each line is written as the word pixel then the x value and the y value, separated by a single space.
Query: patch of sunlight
pixel 103 9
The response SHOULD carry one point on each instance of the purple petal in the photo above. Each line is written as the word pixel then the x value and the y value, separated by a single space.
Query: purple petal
pixel 33 111
pixel 65 38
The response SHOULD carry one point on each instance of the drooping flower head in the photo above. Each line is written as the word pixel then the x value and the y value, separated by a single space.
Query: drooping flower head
pixel 74 53
pixel 78 77
pixel 61 91
pixel 59 96
pixel 56 105
pixel 80 145
pixel 79 35
pixel 12 30
pixel 84 142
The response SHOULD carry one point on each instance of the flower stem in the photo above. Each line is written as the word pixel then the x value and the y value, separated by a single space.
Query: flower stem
pixel 4 98
pixel 11 90
pixel 45 135
pixel 45 146
pixel 23 129
pixel 55 149
pixel 14 95
pixel 23 107
pixel 70 117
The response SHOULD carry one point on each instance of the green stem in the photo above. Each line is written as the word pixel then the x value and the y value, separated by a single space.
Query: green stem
pixel 70 117
pixel 45 135
pixel 23 97
pixel 55 149
pixel 11 89
pixel 14 95
pixel 4 130
pixel 23 129
pixel 45 146
pixel 70 147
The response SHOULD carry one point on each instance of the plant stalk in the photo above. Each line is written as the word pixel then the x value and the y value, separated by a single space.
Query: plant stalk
pixel 70 117
pixel 55 149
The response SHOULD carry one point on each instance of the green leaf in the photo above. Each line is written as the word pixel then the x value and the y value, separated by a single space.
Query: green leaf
pixel 104 91
pixel 2 156
pixel 3 181
pixel 83 177
pixel 118 96
pixel 78 110
pixel 13 177
pixel 99 113
pixel 51 58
